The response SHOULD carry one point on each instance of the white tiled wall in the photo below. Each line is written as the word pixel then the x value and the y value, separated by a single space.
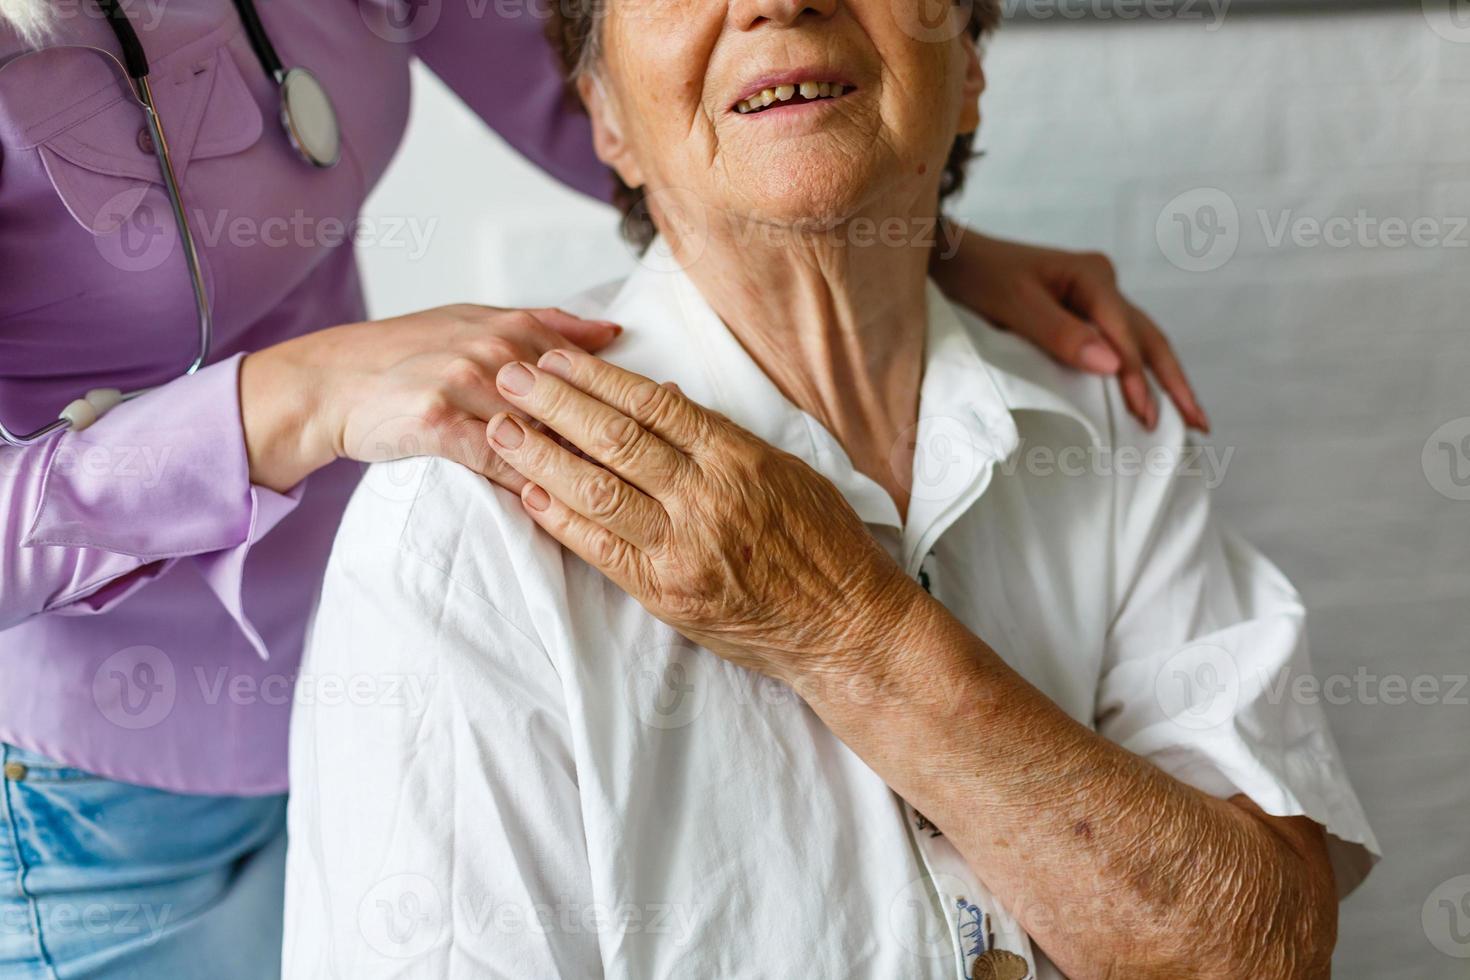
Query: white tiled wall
pixel 1327 369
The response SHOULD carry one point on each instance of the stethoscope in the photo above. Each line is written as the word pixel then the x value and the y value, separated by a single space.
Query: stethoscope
pixel 310 122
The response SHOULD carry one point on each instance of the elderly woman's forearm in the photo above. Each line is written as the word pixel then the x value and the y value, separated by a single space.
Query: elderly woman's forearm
pixel 1114 867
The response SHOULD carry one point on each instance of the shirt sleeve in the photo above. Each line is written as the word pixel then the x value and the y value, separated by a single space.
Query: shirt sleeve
pixel 500 63
pixel 436 821
pixel 1206 643
pixel 93 516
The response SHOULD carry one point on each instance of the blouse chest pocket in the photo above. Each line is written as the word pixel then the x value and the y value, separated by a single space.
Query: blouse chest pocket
pixel 74 108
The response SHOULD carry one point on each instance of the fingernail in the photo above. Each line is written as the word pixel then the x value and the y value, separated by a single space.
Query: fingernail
pixel 535 497
pixel 1098 357
pixel 557 363
pixel 616 330
pixel 516 378
pixel 509 433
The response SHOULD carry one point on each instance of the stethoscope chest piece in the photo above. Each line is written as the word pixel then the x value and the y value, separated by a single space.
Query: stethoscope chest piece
pixel 310 119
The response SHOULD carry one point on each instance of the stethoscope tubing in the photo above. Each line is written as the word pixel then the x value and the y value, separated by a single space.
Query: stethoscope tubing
pixel 143 94
pixel 134 64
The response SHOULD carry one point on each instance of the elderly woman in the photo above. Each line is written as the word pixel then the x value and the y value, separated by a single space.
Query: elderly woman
pixel 923 659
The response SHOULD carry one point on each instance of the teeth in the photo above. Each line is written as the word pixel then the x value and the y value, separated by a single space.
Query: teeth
pixel 785 93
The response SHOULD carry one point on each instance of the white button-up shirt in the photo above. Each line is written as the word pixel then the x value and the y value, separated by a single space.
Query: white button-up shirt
pixel 506 767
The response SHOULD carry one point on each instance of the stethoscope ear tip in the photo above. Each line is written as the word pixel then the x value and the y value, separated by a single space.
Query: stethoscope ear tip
pixel 86 410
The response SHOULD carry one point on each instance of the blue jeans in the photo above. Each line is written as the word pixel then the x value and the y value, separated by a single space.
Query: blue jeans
pixel 102 879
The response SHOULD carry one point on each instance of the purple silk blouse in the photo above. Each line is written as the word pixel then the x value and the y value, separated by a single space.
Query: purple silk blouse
pixel 152 601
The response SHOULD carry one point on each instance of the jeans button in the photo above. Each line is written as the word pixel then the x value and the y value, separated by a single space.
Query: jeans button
pixel 15 770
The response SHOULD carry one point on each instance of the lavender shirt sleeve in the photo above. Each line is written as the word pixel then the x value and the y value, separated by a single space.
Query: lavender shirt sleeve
pixel 92 516
pixel 503 67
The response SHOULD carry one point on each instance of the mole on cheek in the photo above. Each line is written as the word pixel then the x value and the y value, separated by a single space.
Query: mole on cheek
pixel 923 169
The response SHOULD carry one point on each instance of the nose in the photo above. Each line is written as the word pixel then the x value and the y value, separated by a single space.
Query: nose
pixel 784 13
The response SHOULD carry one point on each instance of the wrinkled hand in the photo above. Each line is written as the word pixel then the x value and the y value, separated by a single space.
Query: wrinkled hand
pixel 415 385
pixel 1069 305
pixel 743 548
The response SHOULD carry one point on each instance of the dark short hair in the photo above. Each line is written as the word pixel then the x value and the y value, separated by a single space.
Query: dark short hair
pixel 573 30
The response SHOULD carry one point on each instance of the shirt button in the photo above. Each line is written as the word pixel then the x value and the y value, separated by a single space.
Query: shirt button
pixel 15 770
pixel 145 140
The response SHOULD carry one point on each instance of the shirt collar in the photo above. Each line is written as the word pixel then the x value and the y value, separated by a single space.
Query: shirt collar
pixel 975 381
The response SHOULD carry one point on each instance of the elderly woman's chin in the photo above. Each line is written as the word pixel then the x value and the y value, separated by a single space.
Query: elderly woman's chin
pixel 815 196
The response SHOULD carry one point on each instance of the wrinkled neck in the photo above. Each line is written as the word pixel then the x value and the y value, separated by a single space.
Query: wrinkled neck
pixel 837 320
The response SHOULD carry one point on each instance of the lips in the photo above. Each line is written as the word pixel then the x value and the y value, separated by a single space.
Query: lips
pixel 797 94
pixel 790 88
